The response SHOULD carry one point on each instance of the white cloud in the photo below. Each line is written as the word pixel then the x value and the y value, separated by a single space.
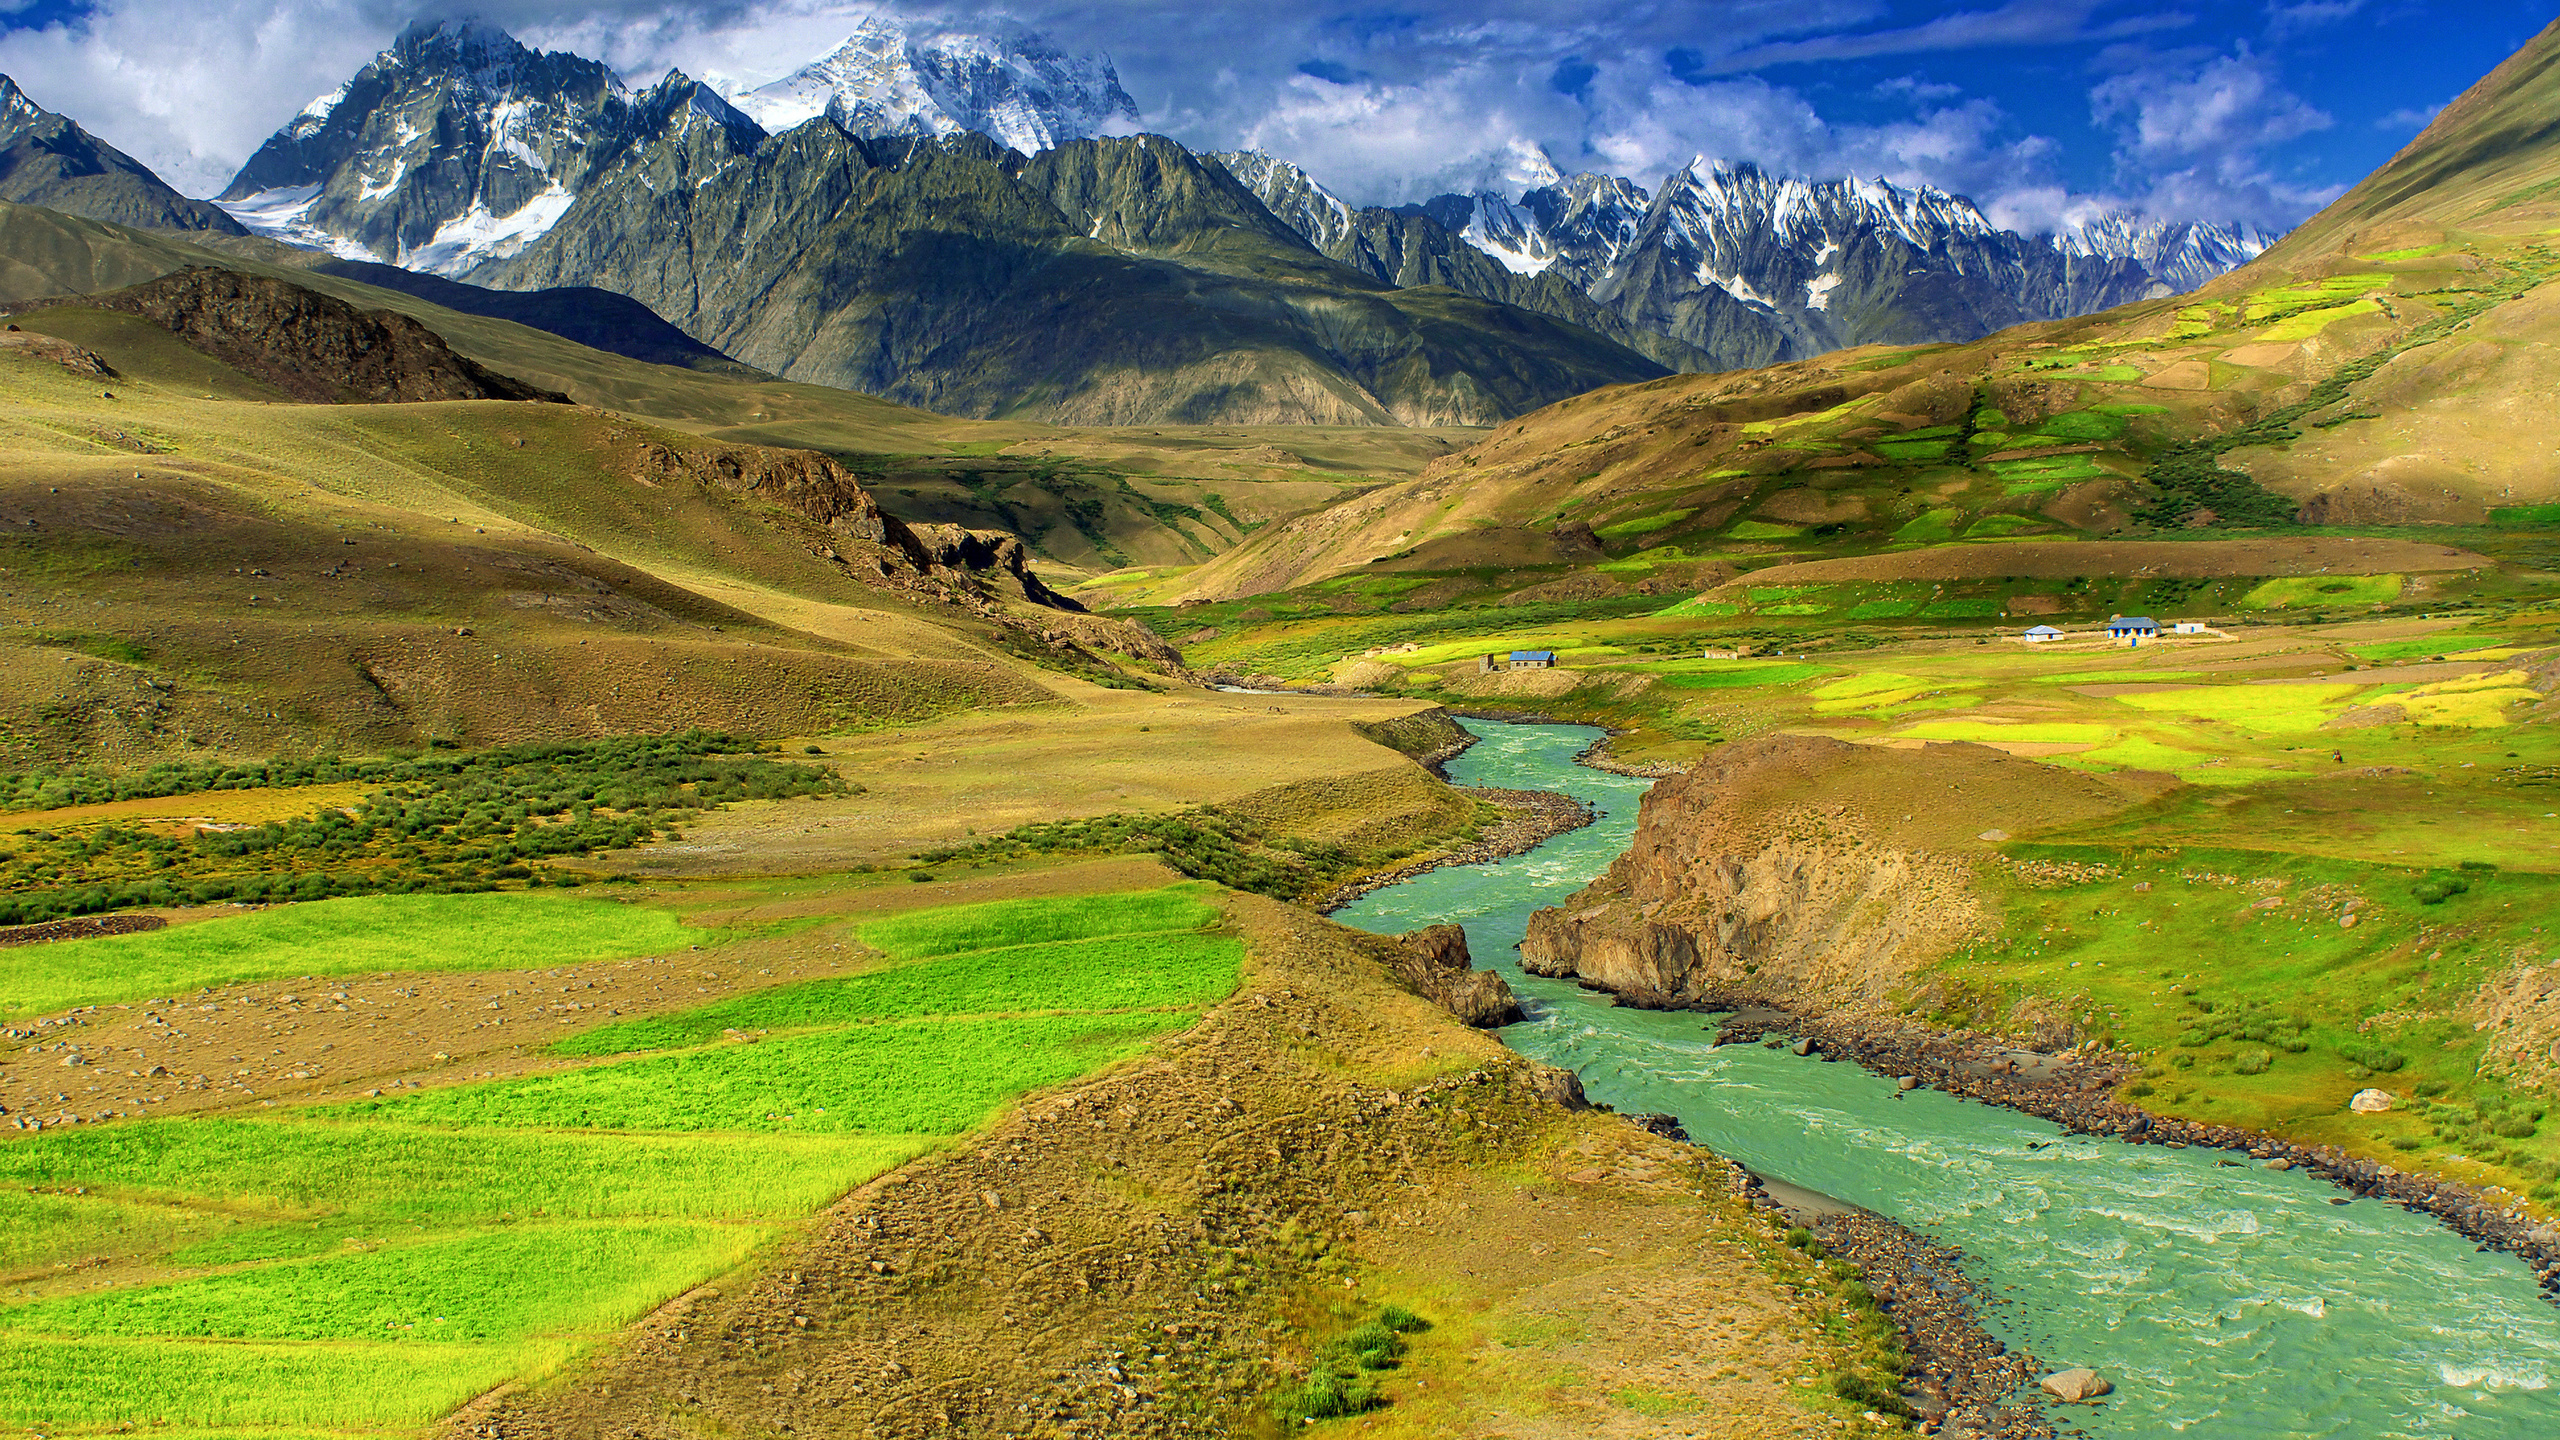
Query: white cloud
pixel 2193 130
pixel 1432 95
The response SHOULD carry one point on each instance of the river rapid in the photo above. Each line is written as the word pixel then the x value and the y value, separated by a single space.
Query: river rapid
pixel 2224 1300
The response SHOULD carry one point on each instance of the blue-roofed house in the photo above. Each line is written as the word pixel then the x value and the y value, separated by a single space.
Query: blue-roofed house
pixel 2133 627
pixel 1533 659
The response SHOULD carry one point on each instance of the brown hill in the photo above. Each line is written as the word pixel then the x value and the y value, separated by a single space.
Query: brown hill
pixel 311 346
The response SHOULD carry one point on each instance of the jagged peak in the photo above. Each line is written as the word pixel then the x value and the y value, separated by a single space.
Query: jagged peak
pixel 16 108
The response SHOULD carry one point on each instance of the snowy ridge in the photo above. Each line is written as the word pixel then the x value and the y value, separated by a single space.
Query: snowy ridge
pixel 16 110
pixel 2180 254
pixel 1290 193
pixel 890 79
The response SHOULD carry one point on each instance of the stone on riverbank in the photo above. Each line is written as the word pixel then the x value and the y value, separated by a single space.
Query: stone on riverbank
pixel 2076 1385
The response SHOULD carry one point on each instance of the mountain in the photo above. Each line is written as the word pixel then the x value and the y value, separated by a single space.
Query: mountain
pixel 2387 364
pixel 889 78
pixel 1116 281
pixel 2179 254
pixel 455 146
pixel 48 160
pixel 1735 268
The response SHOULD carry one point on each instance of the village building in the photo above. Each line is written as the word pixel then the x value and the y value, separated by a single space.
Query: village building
pixel 2189 627
pixel 2133 627
pixel 1533 659
pixel 2042 633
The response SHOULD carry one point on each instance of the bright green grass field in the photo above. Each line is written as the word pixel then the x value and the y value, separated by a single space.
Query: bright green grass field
pixel 476 1286
pixel 307 1167
pixel 916 1077
pixel 1031 922
pixel 107 1381
pixel 1120 972
pixel 497 931
pixel 374 1265
pixel 2323 590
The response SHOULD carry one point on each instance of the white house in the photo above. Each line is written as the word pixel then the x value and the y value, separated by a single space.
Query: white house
pixel 2189 627
pixel 2042 633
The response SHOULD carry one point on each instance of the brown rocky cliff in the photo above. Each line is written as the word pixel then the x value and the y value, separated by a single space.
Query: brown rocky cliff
pixel 1434 963
pixel 311 346
pixel 1806 872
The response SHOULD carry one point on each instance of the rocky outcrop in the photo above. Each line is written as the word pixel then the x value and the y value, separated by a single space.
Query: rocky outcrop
pixel 1803 871
pixel 819 488
pixel 311 346
pixel 1433 962
pixel 31 346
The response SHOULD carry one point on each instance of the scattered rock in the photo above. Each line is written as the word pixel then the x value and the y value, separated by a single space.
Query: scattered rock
pixel 2077 1385
pixel 2370 1102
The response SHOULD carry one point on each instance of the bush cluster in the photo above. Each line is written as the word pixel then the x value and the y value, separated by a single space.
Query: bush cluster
pixel 1338 1380
pixel 441 822
pixel 1205 844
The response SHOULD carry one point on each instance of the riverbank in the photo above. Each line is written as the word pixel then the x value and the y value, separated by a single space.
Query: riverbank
pixel 2075 1089
pixel 1530 818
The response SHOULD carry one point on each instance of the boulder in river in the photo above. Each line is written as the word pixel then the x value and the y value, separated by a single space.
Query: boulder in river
pixel 1802 1047
pixel 2370 1102
pixel 2076 1385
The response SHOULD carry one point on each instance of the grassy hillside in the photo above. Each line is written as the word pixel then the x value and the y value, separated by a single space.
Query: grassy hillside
pixel 2373 372
pixel 1088 500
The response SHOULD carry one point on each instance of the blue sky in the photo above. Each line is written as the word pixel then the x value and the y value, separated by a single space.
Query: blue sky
pixel 2257 111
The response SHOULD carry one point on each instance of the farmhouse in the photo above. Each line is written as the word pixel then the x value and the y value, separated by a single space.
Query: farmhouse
pixel 2133 627
pixel 2042 633
pixel 1533 659
pixel 2189 627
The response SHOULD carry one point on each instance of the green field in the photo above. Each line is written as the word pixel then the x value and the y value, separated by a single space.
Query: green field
pixel 370 1265
pixel 2254 1005
pixel 492 931
pixel 860 1079
pixel 1132 972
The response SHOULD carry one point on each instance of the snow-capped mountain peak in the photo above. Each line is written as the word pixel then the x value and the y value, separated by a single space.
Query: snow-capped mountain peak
pixel 1290 193
pixel 2180 254
pixel 455 146
pixel 891 79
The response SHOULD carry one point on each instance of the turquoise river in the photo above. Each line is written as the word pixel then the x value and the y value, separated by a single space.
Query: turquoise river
pixel 2222 1301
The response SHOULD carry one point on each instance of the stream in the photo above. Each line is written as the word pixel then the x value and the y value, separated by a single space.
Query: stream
pixel 2222 1300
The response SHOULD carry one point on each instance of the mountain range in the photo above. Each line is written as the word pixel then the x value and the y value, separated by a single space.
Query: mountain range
pixel 968 222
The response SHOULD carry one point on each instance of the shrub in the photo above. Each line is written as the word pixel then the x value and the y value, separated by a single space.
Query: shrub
pixel 2406 1142
pixel 2252 1062
pixel 2513 1127
pixel 2437 889
pixel 1859 1390
pixel 2373 1057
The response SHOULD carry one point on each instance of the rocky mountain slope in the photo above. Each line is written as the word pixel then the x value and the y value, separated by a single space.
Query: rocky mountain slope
pixel 895 78
pixel 1100 282
pixel 1727 267
pixel 2387 364
pixel 47 159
